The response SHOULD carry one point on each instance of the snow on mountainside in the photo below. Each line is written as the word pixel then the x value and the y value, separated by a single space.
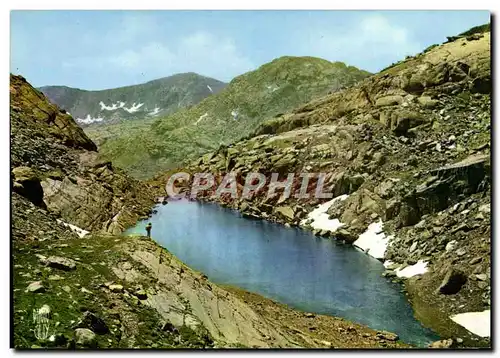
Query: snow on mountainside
pixel 158 97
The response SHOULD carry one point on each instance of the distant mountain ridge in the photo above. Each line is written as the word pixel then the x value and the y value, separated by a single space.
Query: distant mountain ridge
pixel 238 109
pixel 162 96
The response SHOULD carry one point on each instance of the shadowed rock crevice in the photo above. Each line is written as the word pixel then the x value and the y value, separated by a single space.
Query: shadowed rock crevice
pixel 452 282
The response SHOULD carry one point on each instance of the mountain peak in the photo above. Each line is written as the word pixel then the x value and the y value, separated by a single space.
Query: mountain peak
pixel 273 88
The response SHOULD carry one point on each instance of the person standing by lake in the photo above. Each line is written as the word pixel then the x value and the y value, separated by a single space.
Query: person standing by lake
pixel 148 229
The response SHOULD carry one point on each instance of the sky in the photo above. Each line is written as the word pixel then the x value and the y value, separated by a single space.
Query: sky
pixel 106 49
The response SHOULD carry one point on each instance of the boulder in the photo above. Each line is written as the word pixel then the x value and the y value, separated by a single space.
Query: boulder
pixel 85 337
pixel 475 260
pixel 22 174
pixel 285 211
pixel 427 102
pixel 141 294
pixel 442 344
pixel 482 277
pixel 388 101
pixel 55 278
pixel 35 287
pixel 485 209
pixel 448 184
pixel 451 245
pixel 385 119
pixel 116 288
pixel 346 235
pixel 388 336
pixel 244 206
pixel 61 263
pixel 385 189
pixel 168 327
pixel 93 322
pixel 284 163
pixel 392 208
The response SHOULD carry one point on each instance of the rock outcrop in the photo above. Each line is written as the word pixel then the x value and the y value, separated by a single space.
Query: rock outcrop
pixel 55 166
pixel 410 148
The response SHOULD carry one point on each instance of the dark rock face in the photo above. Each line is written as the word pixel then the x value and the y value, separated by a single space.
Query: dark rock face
pixel 93 322
pixel 452 282
pixel 464 178
pixel 403 121
pixel 346 235
pixel 26 183
pixel 443 344
pixel 481 85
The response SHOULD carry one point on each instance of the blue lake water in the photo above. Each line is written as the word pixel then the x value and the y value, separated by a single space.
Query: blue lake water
pixel 289 265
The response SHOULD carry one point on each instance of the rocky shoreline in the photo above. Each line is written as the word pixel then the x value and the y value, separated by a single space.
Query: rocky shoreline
pixel 107 291
pixel 408 152
pixel 409 274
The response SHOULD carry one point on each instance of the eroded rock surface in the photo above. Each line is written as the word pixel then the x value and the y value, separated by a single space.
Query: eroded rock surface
pixel 55 166
pixel 410 147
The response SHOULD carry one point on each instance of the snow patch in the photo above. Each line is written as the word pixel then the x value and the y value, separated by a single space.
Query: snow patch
pixel 89 119
pixel 210 88
pixel 320 217
pixel 154 112
pixel 478 323
pixel 135 107
pixel 413 270
pixel 388 263
pixel 113 107
pixel 272 88
pixel 201 117
pixel 80 232
pixel 373 241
